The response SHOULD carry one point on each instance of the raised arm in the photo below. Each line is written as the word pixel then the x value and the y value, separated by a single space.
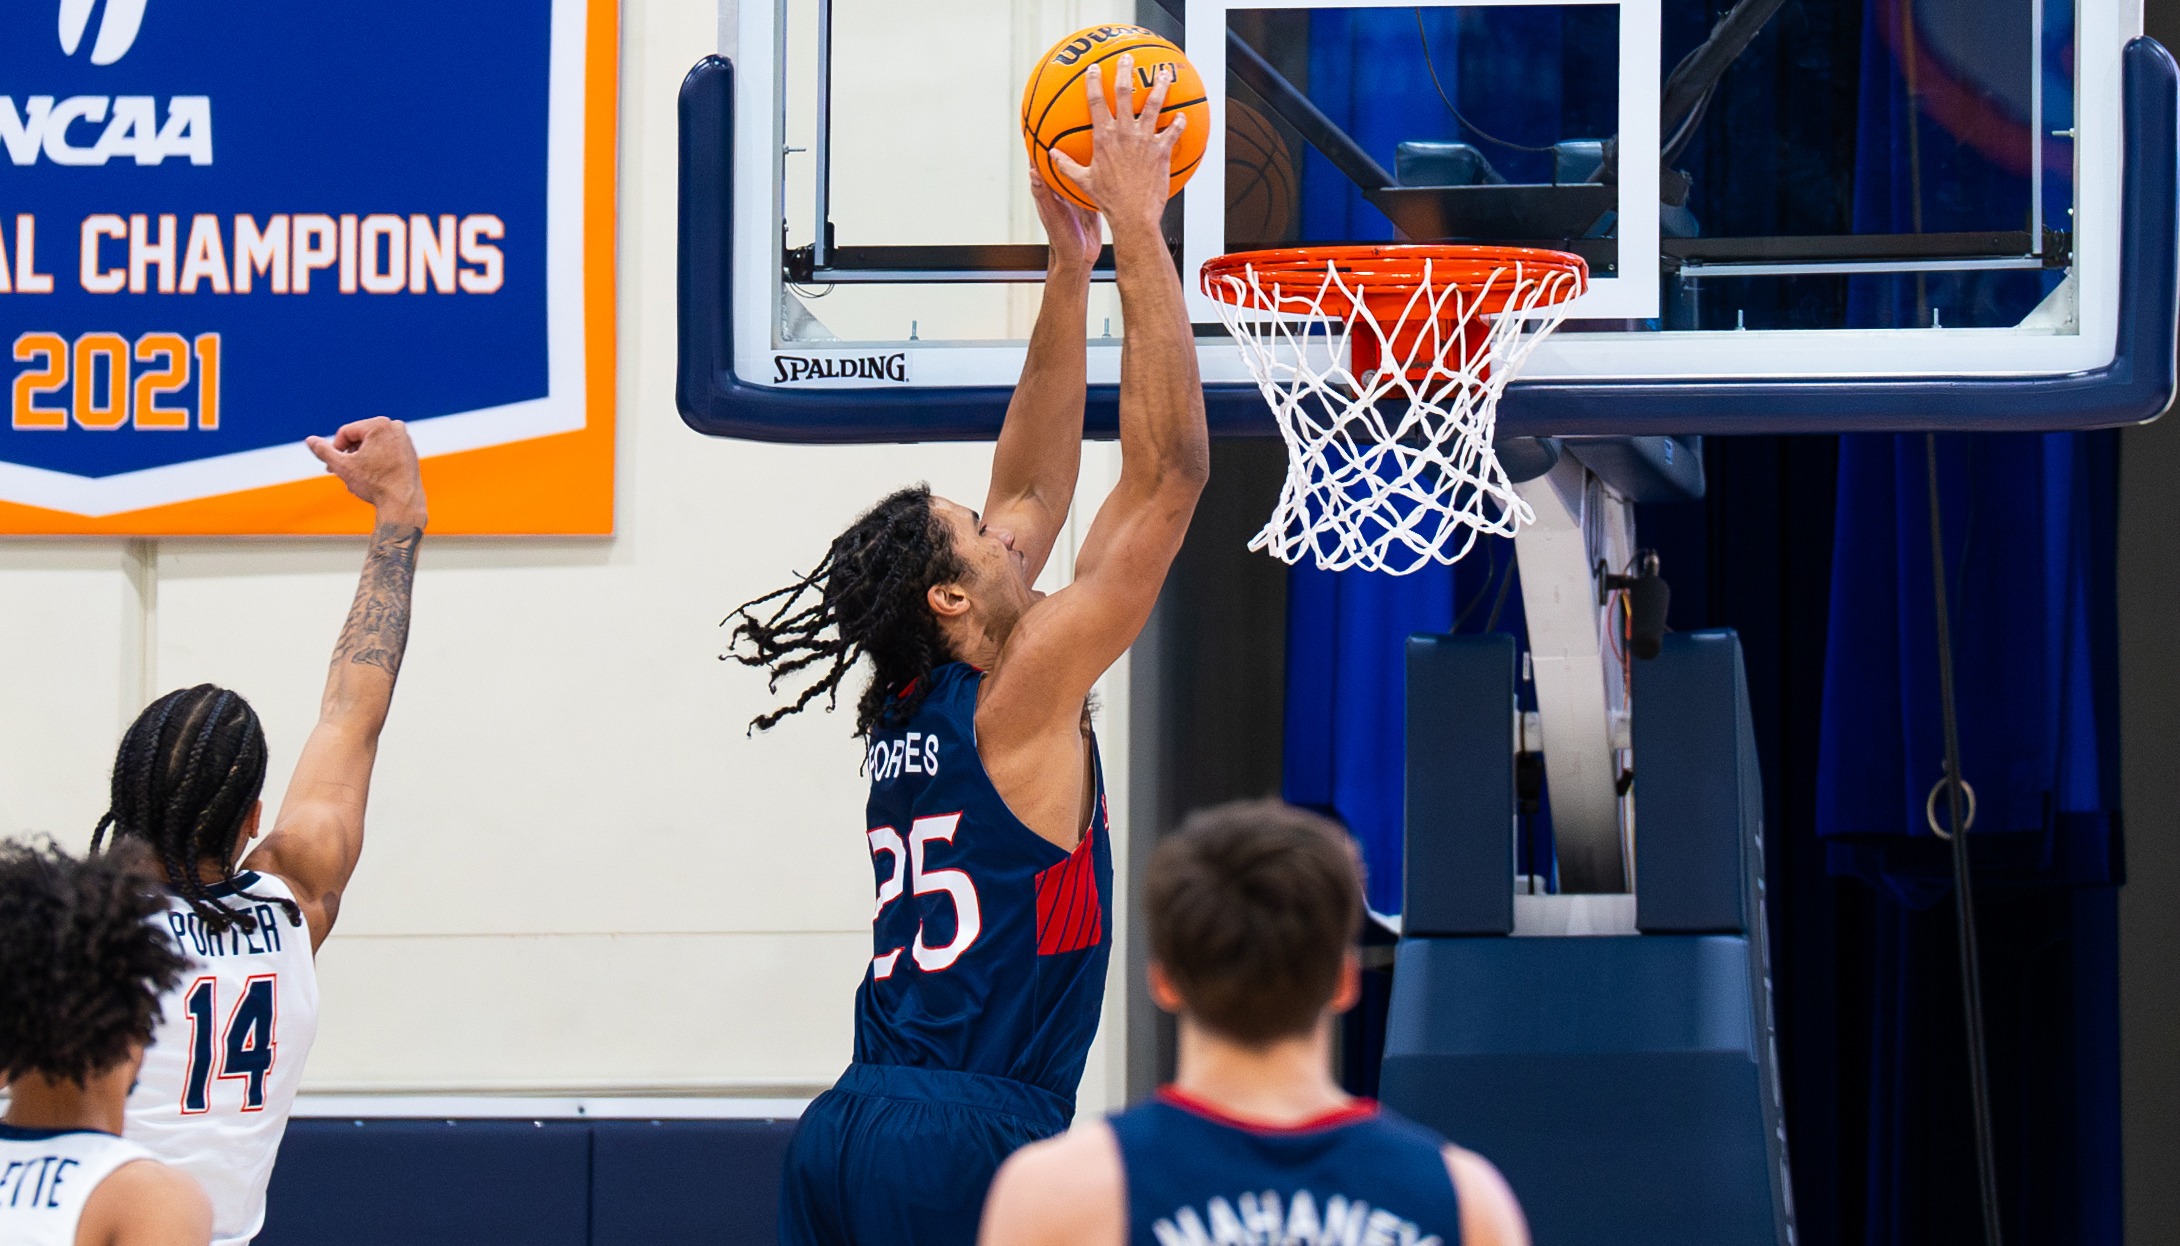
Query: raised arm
pixel 318 836
pixel 1040 445
pixel 1067 640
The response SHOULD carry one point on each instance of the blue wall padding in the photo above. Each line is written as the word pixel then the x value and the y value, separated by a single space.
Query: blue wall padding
pixel 1615 1081
pixel 540 1183
pixel 686 1181
pixel 1690 725
pixel 1460 786
pixel 363 1183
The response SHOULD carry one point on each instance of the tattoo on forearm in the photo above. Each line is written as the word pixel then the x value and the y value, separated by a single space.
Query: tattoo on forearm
pixel 377 631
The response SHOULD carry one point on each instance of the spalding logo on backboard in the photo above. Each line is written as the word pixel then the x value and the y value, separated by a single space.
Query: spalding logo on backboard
pixel 842 371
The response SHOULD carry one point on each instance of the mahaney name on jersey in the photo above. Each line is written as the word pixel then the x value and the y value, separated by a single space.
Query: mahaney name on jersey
pixel 1256 1220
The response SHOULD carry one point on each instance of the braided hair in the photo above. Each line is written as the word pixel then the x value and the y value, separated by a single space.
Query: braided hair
pixel 188 773
pixel 81 965
pixel 869 595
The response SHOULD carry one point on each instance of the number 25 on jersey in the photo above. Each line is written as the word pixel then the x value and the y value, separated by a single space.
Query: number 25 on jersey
pixel 243 1048
pixel 909 860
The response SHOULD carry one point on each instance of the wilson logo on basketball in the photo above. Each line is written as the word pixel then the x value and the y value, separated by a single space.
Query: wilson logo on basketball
pixel 883 369
pixel 1091 38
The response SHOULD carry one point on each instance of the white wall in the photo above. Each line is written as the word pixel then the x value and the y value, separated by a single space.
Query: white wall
pixel 580 874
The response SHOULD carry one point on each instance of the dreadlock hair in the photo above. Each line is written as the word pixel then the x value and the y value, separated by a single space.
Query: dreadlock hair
pixel 189 769
pixel 81 965
pixel 869 593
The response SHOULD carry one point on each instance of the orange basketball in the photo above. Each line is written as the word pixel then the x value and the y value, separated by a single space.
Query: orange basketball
pixel 1056 110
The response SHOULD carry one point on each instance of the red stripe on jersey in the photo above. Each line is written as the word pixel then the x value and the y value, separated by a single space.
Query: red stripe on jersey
pixel 1069 916
pixel 1357 1109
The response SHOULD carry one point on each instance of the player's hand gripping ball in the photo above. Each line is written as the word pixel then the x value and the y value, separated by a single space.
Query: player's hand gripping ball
pixel 1056 112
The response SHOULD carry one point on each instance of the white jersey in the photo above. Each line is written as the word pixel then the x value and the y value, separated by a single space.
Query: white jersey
pixel 227 1056
pixel 46 1177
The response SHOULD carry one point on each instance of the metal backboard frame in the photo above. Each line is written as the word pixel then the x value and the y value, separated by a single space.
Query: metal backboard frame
pixel 2103 356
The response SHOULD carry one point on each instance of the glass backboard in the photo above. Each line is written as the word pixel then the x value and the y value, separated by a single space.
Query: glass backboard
pixel 1797 217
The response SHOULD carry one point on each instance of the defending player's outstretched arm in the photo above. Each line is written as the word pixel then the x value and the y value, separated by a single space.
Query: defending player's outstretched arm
pixel 1066 641
pixel 318 836
pixel 1039 455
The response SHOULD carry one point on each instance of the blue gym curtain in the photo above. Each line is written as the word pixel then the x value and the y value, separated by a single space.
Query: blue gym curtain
pixel 2030 578
pixel 1544 75
pixel 1943 143
pixel 2029 568
pixel 1817 550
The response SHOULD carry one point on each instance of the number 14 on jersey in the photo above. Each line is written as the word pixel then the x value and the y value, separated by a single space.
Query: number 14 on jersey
pixel 242 1049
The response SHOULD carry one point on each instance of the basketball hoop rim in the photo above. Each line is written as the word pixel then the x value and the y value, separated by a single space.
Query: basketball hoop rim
pixel 1378 271
pixel 1388 417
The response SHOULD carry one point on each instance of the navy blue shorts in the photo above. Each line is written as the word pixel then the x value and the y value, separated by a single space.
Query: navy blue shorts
pixel 898 1156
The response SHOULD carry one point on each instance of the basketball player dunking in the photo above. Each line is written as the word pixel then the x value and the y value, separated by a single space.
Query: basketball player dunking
pixel 82 967
pixel 1253 912
pixel 987 814
pixel 227 1058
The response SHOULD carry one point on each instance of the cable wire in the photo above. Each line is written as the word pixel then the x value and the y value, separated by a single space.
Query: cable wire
pixel 1979 1086
pixel 1491 553
pixel 1505 582
pixel 1443 99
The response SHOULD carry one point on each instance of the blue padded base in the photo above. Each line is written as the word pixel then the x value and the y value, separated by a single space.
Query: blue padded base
pixel 1615 1081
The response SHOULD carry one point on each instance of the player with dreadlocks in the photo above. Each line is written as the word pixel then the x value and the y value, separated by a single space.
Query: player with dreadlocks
pixel 81 971
pixel 223 1068
pixel 987 815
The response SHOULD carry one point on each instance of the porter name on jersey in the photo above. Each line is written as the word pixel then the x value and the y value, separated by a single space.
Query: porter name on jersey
pixel 191 932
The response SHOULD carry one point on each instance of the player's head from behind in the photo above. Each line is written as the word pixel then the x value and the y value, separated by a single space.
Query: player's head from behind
pixel 915 582
pixel 186 784
pixel 1254 911
pixel 81 965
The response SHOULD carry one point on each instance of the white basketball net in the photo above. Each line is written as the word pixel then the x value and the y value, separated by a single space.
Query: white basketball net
pixel 1393 468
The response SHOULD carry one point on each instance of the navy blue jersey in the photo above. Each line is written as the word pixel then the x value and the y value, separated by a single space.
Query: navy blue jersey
pixel 990 941
pixel 1359 1177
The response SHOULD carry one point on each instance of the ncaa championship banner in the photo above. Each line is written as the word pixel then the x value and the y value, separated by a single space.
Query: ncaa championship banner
pixel 224 227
